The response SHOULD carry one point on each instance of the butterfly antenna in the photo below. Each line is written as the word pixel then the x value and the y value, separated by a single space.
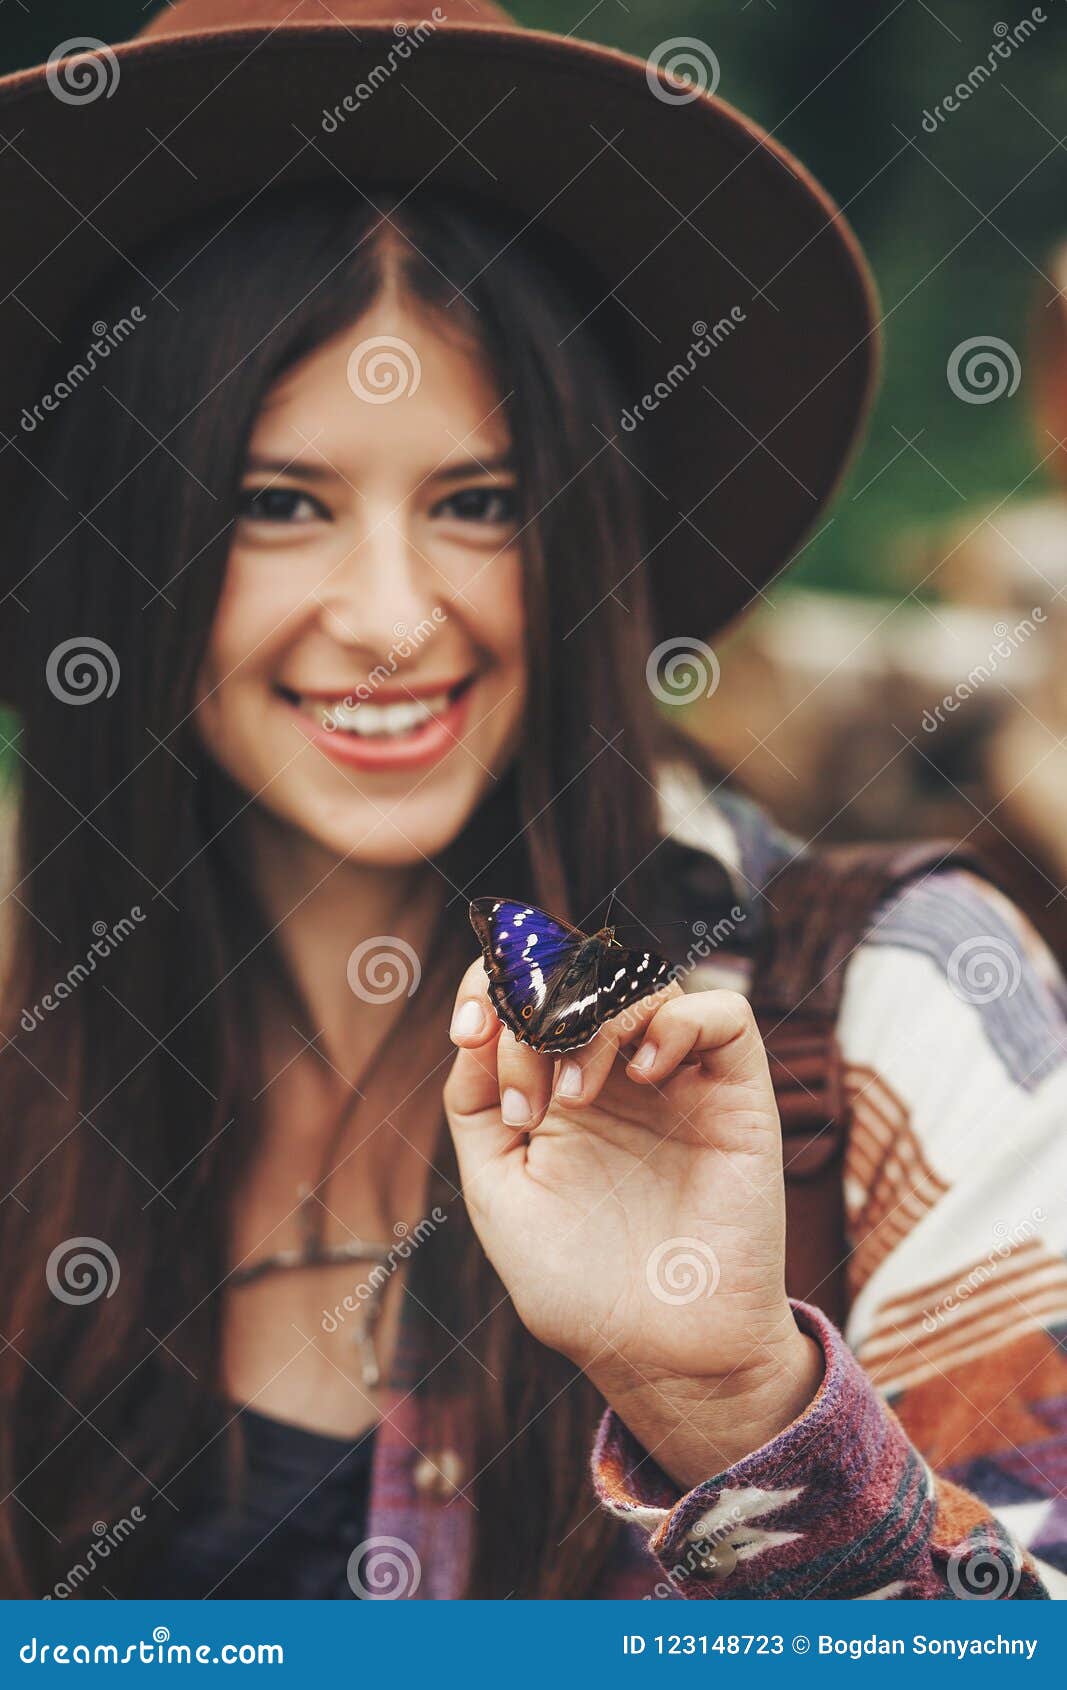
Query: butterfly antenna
pixel 680 921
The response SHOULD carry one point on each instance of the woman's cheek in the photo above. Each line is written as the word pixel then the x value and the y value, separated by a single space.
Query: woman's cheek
pixel 249 635
pixel 263 608
pixel 503 635
pixel 496 595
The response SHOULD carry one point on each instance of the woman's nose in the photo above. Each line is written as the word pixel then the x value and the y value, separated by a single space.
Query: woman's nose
pixel 379 591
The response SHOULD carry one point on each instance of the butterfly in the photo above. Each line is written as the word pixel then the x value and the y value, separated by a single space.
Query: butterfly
pixel 552 984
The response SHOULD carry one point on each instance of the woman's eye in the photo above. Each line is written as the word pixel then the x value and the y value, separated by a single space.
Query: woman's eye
pixel 278 504
pixel 491 505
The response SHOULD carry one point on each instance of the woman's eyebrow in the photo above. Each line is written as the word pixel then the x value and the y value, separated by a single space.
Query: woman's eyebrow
pixel 503 461
pixel 289 466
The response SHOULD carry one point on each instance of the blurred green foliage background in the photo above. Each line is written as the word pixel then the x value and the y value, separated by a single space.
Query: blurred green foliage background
pixel 959 224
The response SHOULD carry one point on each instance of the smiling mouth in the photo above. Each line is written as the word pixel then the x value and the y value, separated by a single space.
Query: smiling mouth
pixel 380 720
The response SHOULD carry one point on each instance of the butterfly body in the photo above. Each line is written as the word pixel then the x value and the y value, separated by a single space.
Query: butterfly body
pixel 552 984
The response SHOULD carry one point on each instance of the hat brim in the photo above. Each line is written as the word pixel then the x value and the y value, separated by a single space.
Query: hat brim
pixel 692 214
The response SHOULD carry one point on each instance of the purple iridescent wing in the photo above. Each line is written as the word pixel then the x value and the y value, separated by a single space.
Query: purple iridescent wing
pixel 552 984
pixel 526 954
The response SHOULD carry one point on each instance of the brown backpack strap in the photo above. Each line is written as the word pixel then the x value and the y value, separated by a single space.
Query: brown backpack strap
pixel 818 909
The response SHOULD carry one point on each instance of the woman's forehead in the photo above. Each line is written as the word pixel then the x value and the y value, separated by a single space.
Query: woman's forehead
pixel 393 383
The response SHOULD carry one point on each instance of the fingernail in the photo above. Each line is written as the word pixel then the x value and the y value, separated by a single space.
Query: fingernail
pixel 514 1108
pixel 569 1083
pixel 645 1057
pixel 467 1020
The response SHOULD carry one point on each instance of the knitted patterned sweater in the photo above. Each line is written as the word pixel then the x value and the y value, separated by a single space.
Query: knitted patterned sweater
pixel 931 1463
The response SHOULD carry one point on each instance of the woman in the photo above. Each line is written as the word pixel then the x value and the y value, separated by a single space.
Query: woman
pixel 333 604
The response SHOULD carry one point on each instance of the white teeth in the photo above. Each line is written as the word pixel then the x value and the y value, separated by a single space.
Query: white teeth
pixel 367 719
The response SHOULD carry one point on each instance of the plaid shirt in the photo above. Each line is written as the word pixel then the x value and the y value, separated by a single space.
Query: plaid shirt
pixel 931 1462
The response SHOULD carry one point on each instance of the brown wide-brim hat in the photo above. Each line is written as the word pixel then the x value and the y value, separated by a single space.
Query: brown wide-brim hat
pixel 752 312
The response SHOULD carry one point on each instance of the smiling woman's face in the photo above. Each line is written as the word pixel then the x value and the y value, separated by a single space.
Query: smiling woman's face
pixel 365 675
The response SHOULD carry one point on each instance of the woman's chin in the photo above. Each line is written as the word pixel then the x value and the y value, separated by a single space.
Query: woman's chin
pixel 390 834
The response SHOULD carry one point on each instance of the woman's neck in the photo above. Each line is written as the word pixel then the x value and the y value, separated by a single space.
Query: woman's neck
pixel 321 910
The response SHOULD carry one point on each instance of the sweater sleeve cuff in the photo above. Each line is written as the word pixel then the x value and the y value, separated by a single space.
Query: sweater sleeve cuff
pixel 838 1505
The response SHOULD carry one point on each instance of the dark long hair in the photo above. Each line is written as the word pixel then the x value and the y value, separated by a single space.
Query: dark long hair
pixel 130 1116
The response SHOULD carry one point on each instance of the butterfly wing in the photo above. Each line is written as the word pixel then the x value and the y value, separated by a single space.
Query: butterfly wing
pixel 552 984
pixel 598 981
pixel 625 977
pixel 526 954
pixel 570 1016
